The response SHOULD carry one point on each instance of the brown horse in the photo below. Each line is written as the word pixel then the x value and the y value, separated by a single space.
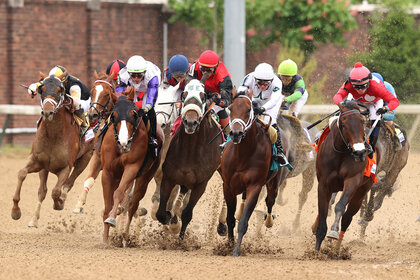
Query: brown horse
pixel 245 166
pixel 190 161
pixel 57 148
pixel 99 111
pixel 340 165
pixel 125 157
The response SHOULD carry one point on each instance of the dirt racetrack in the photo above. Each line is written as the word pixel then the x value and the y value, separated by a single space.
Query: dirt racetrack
pixel 68 246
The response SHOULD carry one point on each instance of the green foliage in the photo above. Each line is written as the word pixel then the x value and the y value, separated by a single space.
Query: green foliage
pixel 306 67
pixel 298 23
pixel 395 51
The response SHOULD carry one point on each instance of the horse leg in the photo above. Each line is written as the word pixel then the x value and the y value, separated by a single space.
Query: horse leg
pixel 339 209
pixel 108 187
pixel 155 197
pixel 42 193
pixel 95 168
pixel 251 202
pixel 79 165
pixel 270 200
pixel 280 200
pixel 321 221
pixel 221 227
pixel 241 207
pixel 162 214
pixel 308 178
pixel 331 202
pixel 57 192
pixel 175 224
pixel 230 200
pixel 366 212
pixel 186 216
pixel 31 167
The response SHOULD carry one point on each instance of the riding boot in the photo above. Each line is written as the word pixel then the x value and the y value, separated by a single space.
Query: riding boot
pixel 152 136
pixel 224 121
pixel 84 122
pixel 279 156
pixel 373 138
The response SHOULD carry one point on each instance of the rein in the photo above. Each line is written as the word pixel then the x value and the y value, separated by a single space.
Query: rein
pixel 251 118
pixel 166 115
pixel 135 125
pixel 101 113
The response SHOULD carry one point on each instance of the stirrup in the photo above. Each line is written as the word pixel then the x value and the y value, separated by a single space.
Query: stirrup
pixel 222 146
pixel 283 161
pixel 153 142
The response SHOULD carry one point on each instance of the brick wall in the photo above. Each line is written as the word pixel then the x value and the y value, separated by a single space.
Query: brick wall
pixel 48 32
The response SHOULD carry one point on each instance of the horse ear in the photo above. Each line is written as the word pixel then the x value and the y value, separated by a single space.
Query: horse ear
pixel 234 92
pixel 130 93
pixel 43 76
pixel 95 75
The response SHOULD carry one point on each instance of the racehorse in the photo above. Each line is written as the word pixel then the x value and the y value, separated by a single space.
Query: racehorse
pixel 392 162
pixel 190 160
pixel 340 165
pixel 125 156
pixel 99 111
pixel 166 114
pixel 245 166
pixel 57 148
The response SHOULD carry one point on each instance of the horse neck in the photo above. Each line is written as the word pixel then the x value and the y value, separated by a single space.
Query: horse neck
pixel 204 133
pixel 337 140
pixel 58 125
pixel 251 140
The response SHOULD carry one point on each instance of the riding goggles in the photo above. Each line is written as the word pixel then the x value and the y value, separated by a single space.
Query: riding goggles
pixel 360 86
pixel 263 82
pixel 137 75
pixel 206 69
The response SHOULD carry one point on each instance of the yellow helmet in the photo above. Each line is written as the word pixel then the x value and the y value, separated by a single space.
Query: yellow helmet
pixel 58 71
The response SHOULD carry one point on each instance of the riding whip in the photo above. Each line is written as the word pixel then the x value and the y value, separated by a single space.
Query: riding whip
pixel 373 126
pixel 221 130
pixel 317 122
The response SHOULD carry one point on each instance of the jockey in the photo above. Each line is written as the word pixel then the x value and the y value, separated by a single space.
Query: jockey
pixel 176 73
pixel 74 89
pixel 114 67
pixel 217 82
pixel 266 87
pixel 145 77
pixel 388 116
pixel 373 93
pixel 293 87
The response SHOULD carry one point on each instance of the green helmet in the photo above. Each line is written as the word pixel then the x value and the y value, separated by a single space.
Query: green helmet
pixel 287 68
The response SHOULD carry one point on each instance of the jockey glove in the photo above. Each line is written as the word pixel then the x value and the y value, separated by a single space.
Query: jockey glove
pixel 216 100
pixel 141 113
pixel 382 110
pixel 259 110
pixel 285 105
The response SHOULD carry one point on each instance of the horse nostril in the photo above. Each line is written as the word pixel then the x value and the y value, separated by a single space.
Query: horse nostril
pixel 195 122
pixel 163 125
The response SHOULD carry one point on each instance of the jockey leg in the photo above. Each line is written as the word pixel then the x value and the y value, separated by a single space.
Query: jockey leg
pixel 280 157
pixel 152 136
pixel 84 122
pixel 373 138
pixel 223 121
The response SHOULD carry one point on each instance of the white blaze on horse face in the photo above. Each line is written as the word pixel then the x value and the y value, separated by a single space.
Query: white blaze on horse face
pixel 358 147
pixel 123 134
pixel 99 89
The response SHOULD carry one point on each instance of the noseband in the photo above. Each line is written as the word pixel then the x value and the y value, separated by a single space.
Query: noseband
pixel 244 125
pixel 125 117
pixel 52 83
pixel 105 107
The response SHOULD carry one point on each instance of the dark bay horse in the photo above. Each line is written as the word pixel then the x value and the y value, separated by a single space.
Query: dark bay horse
pixel 57 148
pixel 98 114
pixel 340 166
pixel 125 157
pixel 245 166
pixel 190 160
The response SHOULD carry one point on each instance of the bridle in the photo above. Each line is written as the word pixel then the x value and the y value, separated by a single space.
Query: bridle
pixel 103 114
pixel 51 92
pixel 250 121
pixel 166 116
pixel 348 148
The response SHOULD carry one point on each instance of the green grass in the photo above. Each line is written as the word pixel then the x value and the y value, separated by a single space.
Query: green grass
pixel 14 150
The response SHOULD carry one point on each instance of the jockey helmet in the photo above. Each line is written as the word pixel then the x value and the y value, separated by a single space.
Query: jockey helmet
pixel 208 59
pixel 115 67
pixel 264 71
pixel 287 68
pixel 58 71
pixel 136 64
pixel 359 73
pixel 379 76
pixel 178 65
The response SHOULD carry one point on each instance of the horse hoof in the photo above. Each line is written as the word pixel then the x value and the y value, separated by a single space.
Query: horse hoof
pixel 111 222
pixel 33 223
pixel 222 229
pixel 78 210
pixel 16 214
pixel 142 211
pixel 269 221
pixel 237 252
pixel 58 205
pixel 333 234
pixel 164 218
pixel 174 225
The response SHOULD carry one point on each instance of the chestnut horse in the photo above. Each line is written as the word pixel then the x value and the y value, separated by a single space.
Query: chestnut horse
pixel 98 114
pixel 57 148
pixel 340 165
pixel 245 166
pixel 125 157
pixel 190 161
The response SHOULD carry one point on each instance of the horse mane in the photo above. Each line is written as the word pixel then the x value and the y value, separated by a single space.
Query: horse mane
pixel 351 104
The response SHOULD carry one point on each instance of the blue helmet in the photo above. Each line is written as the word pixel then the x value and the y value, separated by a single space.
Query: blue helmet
pixel 178 65
pixel 379 76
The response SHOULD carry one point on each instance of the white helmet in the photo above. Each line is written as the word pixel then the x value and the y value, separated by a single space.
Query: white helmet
pixel 136 64
pixel 264 71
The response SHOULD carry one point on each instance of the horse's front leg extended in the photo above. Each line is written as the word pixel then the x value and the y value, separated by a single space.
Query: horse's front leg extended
pixel 57 191
pixel 196 192
pixel 162 214
pixel 42 193
pixel 231 202
pixel 270 200
pixel 320 225
pixel 252 198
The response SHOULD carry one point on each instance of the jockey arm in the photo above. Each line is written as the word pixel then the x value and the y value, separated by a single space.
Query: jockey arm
pixel 275 97
pixel 152 92
pixel 225 88
pixel 299 90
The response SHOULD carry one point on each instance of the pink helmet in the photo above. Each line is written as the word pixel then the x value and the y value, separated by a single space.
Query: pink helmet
pixel 359 73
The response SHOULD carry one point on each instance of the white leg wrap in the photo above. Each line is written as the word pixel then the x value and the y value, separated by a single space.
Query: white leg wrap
pixel 88 184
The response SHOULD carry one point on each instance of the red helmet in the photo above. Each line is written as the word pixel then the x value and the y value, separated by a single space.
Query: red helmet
pixel 208 59
pixel 359 73
pixel 115 67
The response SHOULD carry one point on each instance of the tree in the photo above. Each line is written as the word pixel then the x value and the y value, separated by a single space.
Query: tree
pixel 294 23
pixel 394 50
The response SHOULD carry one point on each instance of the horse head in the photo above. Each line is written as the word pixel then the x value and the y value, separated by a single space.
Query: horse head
pixel 241 115
pixel 52 96
pixel 192 109
pixel 165 104
pixel 125 119
pixel 351 128
pixel 100 95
